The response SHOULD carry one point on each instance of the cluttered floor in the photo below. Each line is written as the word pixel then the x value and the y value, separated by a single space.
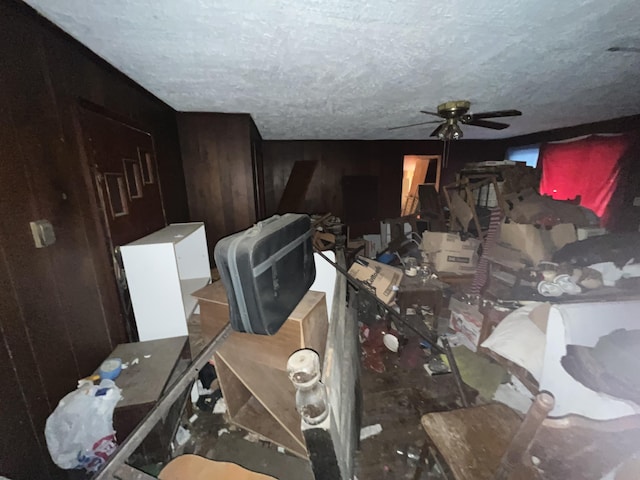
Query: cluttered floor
pixel 436 325
pixel 397 390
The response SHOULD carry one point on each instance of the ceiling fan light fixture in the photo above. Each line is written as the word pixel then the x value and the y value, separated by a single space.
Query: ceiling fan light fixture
pixel 451 114
pixel 456 131
pixel 450 131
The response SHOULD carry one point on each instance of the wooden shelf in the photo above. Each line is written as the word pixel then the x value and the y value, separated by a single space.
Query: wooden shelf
pixel 252 368
pixel 263 401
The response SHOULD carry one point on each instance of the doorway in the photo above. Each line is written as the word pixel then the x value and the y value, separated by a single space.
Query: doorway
pixel 418 170
pixel 123 172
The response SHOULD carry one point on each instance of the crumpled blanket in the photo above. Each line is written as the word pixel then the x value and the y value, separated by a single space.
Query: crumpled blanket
pixel 610 366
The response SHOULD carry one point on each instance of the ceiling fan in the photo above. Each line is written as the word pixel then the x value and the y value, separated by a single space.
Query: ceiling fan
pixel 457 111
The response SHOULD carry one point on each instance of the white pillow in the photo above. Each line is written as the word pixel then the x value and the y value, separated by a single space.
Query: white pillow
pixel 519 340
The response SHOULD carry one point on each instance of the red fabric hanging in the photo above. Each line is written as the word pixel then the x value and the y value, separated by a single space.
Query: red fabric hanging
pixel 588 167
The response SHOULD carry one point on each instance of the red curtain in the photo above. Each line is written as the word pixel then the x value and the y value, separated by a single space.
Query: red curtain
pixel 588 167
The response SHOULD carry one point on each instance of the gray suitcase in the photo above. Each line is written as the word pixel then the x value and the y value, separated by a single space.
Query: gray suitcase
pixel 266 270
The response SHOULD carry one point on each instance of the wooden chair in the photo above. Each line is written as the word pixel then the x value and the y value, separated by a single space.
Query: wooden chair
pixel 463 189
pixel 493 442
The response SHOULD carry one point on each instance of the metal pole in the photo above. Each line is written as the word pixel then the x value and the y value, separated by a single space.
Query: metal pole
pixel 143 429
pixel 445 349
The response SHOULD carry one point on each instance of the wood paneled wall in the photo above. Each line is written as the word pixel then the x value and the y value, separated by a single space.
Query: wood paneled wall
pixel 218 153
pixel 381 158
pixel 59 310
pixel 617 125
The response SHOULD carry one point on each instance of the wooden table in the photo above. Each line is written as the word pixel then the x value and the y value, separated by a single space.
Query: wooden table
pixel 414 292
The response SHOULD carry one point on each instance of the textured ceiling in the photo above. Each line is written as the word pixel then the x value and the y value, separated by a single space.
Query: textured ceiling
pixel 338 69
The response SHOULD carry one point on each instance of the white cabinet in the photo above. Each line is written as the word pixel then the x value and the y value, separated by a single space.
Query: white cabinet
pixel 163 269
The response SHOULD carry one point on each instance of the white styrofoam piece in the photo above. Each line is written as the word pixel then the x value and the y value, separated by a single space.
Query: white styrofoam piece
pixel 583 324
pixel 325 278
pixel 370 431
pixel 349 70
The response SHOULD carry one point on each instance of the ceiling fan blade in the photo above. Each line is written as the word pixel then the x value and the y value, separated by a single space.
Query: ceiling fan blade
pixel 437 130
pixel 431 113
pixel 414 125
pixel 497 113
pixel 487 124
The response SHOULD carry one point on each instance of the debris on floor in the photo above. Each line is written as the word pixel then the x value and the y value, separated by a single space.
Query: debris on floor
pixel 370 431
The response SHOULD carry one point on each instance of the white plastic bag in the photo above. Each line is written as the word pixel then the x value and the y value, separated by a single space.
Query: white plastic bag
pixel 80 432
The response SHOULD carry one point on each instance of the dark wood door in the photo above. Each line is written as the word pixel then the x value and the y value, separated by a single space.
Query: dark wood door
pixel 124 175
pixel 122 160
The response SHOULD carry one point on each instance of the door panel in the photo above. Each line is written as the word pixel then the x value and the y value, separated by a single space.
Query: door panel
pixel 125 178
pixel 122 159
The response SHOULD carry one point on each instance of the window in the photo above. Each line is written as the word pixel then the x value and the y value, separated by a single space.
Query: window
pixel 528 154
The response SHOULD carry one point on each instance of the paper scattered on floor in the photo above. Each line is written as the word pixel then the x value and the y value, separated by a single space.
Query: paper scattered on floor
pixel 194 393
pixel 182 435
pixel 370 431
pixel 220 407
pixel 222 431
pixel 515 395
pixel 252 437
pixel 193 418
pixel 280 450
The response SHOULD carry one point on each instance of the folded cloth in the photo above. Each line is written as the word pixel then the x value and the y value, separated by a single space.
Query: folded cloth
pixel 609 366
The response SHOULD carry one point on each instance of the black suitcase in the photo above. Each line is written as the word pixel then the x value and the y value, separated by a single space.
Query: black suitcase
pixel 266 270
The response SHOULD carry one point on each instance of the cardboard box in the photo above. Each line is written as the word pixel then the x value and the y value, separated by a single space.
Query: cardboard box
pixel 466 320
pixel 379 278
pixel 535 243
pixel 529 207
pixel 588 232
pixel 503 254
pixel 449 253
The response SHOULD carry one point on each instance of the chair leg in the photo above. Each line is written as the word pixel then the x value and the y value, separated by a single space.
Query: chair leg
pixel 422 461
pixel 513 459
pixel 430 463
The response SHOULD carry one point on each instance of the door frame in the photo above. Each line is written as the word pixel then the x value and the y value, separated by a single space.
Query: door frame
pixel 114 303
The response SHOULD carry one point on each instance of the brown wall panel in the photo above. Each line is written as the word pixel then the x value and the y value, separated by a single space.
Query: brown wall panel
pixel 616 125
pixel 382 158
pixel 218 167
pixel 59 309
